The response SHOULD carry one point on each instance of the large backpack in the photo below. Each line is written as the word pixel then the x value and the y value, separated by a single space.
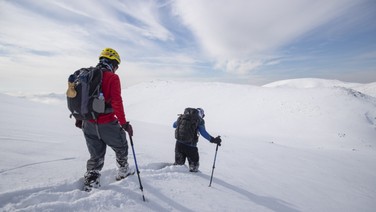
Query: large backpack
pixel 187 126
pixel 84 96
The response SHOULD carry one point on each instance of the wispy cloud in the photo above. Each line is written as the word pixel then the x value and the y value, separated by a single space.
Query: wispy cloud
pixel 177 38
pixel 238 31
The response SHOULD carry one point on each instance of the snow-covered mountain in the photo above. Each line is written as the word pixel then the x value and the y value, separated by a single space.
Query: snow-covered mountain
pixel 294 145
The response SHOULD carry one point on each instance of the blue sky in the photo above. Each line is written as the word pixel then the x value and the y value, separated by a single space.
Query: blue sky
pixel 238 41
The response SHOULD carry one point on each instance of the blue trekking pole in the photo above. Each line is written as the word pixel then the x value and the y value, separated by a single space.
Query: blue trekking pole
pixel 138 171
pixel 215 158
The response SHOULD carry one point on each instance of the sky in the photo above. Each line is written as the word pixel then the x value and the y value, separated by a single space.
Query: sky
pixel 248 42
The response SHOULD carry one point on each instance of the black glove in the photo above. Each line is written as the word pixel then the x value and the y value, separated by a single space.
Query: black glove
pixel 216 140
pixel 128 127
pixel 78 123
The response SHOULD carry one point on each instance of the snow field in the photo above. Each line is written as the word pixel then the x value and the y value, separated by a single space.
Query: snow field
pixel 303 145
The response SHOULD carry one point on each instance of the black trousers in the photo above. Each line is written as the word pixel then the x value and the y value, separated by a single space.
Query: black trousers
pixel 183 152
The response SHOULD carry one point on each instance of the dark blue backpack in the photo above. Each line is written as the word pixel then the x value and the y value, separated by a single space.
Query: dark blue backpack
pixel 84 96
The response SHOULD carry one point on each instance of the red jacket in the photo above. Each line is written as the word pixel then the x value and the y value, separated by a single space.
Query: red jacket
pixel 111 89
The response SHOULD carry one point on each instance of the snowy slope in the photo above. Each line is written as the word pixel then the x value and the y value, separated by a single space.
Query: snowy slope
pixel 368 89
pixel 291 146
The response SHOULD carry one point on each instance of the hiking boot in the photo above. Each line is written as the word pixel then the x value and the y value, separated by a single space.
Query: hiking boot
pixel 193 168
pixel 91 179
pixel 123 172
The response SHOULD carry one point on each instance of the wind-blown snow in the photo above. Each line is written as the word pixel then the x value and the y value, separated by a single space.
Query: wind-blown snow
pixel 296 145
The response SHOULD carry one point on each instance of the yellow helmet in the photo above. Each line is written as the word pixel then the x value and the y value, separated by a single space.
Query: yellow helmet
pixel 110 54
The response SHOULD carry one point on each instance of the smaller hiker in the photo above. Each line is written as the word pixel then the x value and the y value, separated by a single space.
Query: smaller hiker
pixel 189 126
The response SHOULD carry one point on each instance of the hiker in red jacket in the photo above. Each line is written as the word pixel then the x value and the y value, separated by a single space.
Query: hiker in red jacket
pixel 108 128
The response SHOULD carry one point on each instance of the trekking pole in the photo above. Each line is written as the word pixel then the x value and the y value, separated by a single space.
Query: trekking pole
pixel 138 171
pixel 215 158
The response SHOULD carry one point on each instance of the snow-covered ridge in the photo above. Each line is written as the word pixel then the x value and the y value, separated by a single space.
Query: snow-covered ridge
pixel 368 89
pixel 310 83
pixel 46 98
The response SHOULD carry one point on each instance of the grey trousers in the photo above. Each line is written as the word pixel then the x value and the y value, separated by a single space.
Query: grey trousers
pixel 98 136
